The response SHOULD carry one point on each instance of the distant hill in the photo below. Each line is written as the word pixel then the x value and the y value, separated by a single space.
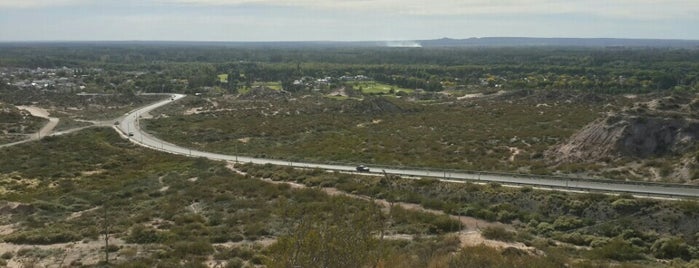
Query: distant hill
pixel 444 42
pixel 562 42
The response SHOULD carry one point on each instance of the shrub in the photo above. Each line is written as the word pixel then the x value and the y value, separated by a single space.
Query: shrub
pixel 626 205
pixel 198 247
pixel 143 235
pixel 441 224
pixel 670 248
pixel 567 223
pixel 42 237
pixel 484 256
pixel 258 259
pixel 575 238
pixel 235 263
pixel 498 233
pixel 616 249
pixel 544 228
pixel 7 255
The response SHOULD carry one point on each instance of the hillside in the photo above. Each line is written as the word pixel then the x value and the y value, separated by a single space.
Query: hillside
pixel 657 138
pixel 15 124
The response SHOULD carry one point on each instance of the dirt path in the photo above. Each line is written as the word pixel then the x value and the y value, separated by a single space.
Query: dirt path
pixel 514 151
pixel 43 113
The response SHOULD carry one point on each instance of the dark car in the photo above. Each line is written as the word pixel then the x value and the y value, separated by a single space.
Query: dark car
pixel 130 134
pixel 362 168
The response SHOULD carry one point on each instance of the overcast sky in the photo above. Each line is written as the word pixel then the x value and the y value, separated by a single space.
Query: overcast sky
pixel 343 20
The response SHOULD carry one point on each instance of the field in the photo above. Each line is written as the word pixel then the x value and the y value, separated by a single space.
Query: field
pixel 373 87
pixel 270 85
pixel 615 113
pixel 16 124
pixel 161 209
pixel 498 133
pixel 165 210
pixel 222 78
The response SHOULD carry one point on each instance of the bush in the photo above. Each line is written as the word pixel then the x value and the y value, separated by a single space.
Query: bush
pixel 144 235
pixel 626 205
pixel 235 263
pixel 616 249
pixel 575 238
pixel 544 228
pixel 498 233
pixel 670 248
pixel 7 255
pixel 42 237
pixel 564 223
pixel 184 248
pixel 442 224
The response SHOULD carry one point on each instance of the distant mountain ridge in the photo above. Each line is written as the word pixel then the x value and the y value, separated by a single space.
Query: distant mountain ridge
pixel 564 42
pixel 431 43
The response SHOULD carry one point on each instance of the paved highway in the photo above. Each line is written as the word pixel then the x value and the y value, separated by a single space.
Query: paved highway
pixel 129 127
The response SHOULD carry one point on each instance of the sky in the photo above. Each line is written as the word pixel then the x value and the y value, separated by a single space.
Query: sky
pixel 343 20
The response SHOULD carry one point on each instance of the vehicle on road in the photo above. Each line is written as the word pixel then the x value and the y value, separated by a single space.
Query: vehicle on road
pixel 362 168
pixel 130 134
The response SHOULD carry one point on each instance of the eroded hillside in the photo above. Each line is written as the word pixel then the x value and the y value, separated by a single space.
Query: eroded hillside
pixel 651 140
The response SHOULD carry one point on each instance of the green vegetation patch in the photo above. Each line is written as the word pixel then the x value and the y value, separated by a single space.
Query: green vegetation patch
pixel 222 78
pixel 482 134
pixel 276 85
pixel 590 226
pixel 68 188
pixel 373 87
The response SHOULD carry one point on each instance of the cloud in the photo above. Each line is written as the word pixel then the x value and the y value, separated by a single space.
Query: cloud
pixel 608 9
pixel 39 3
pixel 623 9
pixel 268 20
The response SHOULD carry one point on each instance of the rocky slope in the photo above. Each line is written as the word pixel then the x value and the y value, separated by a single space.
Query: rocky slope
pixel 659 134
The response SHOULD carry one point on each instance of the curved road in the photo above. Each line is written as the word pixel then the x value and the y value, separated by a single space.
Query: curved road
pixel 130 128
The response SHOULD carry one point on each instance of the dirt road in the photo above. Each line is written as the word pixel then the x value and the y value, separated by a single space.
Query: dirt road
pixel 43 113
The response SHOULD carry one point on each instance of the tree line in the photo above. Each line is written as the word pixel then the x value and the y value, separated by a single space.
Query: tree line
pixel 190 67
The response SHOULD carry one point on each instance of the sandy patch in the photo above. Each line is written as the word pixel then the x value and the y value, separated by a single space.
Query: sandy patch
pixel 35 111
pixel 514 151
pixel 80 213
pixel 61 255
pixel 43 113
pixel 92 172
pixel 474 238
pixel 7 229
pixel 479 95
pixel 194 110
pixel 470 96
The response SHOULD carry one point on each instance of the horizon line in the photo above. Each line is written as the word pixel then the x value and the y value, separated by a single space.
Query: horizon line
pixel 337 41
